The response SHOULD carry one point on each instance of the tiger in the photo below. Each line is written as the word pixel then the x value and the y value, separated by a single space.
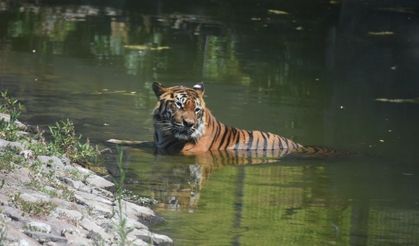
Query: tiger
pixel 183 124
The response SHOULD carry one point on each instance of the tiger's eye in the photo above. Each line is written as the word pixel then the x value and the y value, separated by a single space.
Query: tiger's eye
pixel 197 110
pixel 178 104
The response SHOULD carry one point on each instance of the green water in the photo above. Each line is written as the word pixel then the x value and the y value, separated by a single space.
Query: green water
pixel 308 70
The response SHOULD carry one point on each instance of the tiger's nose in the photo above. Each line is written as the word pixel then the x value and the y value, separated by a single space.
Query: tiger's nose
pixel 188 123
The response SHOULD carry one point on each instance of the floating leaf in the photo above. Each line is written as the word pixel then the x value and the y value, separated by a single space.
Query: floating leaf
pixel 398 100
pixel 277 12
pixel 399 10
pixel 146 47
pixel 383 33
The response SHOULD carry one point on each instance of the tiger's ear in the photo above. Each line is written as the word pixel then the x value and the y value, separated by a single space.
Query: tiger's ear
pixel 158 89
pixel 199 88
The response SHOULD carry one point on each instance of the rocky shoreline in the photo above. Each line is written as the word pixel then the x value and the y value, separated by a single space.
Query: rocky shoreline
pixel 48 200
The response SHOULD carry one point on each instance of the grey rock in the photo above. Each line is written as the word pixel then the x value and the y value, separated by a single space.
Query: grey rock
pixel 132 223
pixel 78 240
pixel 24 174
pixel 3 197
pixel 18 177
pixel 78 185
pixel 45 237
pixel 133 240
pixel 87 197
pixel 102 192
pixel 84 171
pixel 7 144
pixel 35 197
pixel 51 161
pixel 23 242
pixel 67 213
pixel 133 210
pixel 16 237
pixel 97 204
pixel 35 226
pixel 13 213
pixel 154 238
pixel 139 242
pixel 91 226
pixel 98 181
pixel 160 239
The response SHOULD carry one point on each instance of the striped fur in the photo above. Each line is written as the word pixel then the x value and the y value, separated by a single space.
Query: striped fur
pixel 183 124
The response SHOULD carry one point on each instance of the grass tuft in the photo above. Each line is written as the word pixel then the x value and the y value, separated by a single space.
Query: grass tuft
pixel 33 208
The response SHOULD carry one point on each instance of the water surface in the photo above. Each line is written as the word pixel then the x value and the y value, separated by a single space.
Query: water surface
pixel 309 70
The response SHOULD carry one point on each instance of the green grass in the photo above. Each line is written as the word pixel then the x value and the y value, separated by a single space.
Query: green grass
pixel 64 140
pixel 10 106
pixel 33 208
pixel 121 227
pixel 62 136
pixel 10 159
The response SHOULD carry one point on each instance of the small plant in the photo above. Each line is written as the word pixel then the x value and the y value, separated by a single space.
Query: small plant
pixel 121 227
pixel 66 193
pixel 8 128
pixel 38 148
pixel 38 185
pixel 63 136
pixel 10 106
pixel 8 131
pixel 9 159
pixel 33 208
pixel 65 141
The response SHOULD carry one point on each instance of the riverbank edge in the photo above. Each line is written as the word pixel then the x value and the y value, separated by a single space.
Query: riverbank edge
pixel 48 200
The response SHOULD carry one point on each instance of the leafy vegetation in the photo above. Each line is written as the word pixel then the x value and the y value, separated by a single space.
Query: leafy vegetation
pixel 10 106
pixel 9 159
pixel 8 128
pixel 32 208
pixel 63 139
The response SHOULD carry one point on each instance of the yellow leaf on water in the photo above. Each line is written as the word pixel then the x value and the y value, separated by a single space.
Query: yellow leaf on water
pixel 399 10
pixel 398 100
pixel 146 47
pixel 383 33
pixel 277 12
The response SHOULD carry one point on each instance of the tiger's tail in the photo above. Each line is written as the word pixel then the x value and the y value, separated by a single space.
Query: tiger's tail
pixel 317 152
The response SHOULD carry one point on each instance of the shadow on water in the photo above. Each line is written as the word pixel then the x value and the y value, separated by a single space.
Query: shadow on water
pixel 308 70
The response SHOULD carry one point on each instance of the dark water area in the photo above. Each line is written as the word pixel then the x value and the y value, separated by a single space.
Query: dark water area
pixel 342 74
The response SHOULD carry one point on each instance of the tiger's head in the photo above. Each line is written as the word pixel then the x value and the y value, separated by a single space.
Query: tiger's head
pixel 179 111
